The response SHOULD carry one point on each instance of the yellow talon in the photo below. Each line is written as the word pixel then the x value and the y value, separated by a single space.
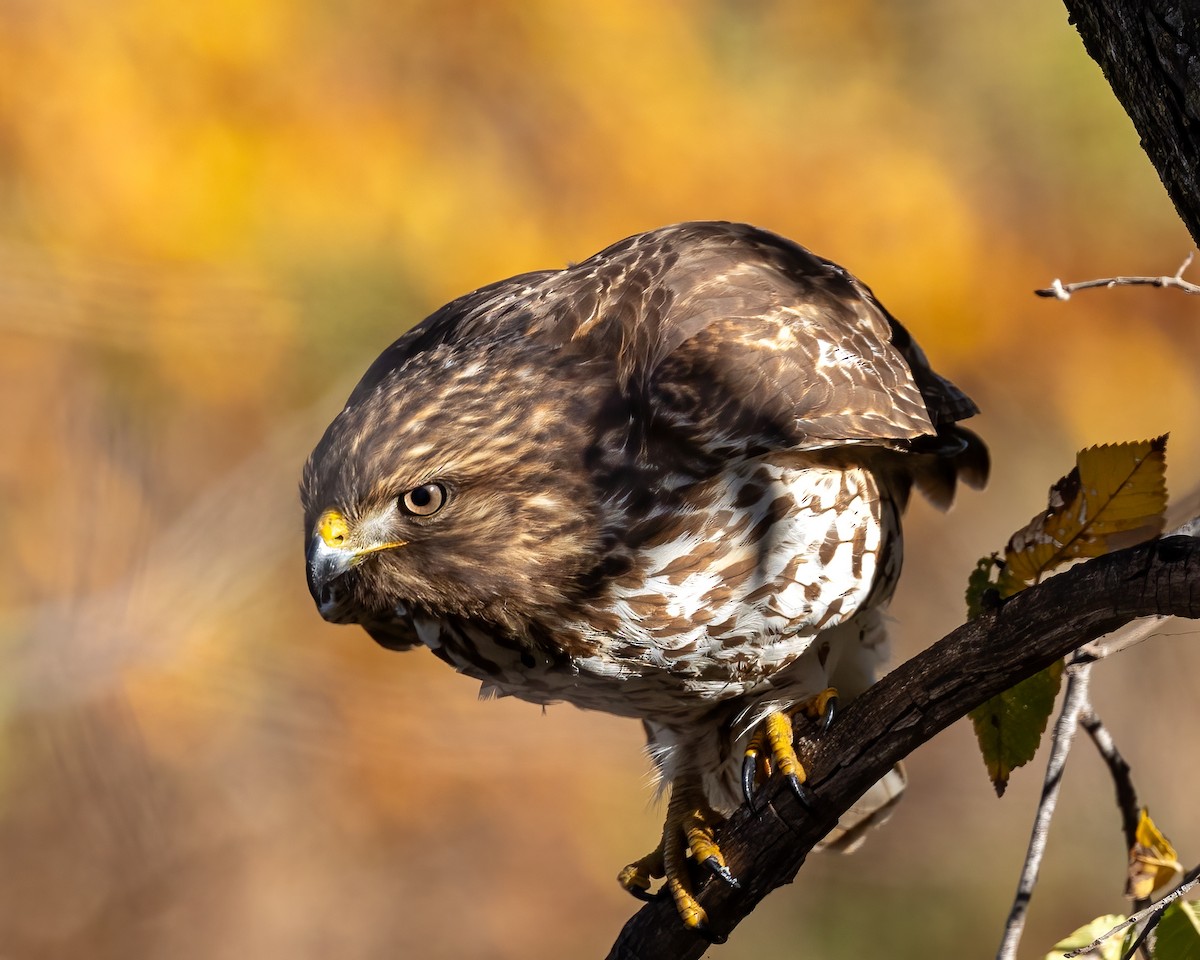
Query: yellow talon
pixel 689 827
pixel 678 881
pixel 691 822
pixel 778 733
pixel 772 747
pixel 698 832
pixel 637 876
pixel 817 706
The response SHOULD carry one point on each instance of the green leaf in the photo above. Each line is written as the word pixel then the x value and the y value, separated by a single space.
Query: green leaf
pixel 1009 727
pixel 979 582
pixel 1110 949
pixel 1179 932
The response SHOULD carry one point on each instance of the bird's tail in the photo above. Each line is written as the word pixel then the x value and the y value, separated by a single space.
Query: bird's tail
pixel 869 811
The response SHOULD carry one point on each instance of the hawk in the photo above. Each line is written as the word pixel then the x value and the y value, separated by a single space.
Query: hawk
pixel 665 483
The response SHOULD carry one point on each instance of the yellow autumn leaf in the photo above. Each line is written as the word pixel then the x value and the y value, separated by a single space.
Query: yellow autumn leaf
pixel 1153 862
pixel 1115 497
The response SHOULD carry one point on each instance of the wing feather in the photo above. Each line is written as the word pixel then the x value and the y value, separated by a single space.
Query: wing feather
pixel 735 331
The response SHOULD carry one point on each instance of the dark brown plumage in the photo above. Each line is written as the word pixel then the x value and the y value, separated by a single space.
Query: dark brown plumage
pixel 665 483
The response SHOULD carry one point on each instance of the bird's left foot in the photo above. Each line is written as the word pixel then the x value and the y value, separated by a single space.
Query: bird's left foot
pixel 690 827
pixel 772 748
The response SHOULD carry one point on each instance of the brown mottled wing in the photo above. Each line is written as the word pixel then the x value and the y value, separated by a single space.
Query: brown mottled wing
pixel 743 338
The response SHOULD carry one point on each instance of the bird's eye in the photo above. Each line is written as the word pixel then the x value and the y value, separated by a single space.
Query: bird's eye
pixel 424 501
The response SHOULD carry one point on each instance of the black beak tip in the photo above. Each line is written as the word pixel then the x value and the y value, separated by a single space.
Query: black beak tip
pixel 321 576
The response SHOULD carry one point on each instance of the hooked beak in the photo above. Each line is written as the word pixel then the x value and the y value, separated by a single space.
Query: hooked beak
pixel 331 553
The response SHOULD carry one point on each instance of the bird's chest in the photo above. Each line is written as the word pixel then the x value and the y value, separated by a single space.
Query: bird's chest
pixel 744 571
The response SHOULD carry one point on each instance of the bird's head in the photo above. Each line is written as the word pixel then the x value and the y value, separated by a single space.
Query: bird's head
pixel 449 485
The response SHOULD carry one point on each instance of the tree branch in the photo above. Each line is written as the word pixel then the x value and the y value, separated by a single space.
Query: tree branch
pixel 1127 799
pixel 910 706
pixel 1063 291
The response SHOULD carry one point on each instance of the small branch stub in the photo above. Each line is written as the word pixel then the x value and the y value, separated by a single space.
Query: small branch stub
pixel 1062 291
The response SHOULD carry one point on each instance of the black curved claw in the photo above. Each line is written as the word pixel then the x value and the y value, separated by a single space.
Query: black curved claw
pixel 830 711
pixel 643 894
pixel 806 797
pixel 749 770
pixel 718 869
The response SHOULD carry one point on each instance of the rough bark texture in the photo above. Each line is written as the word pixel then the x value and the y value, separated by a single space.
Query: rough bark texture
pixel 1149 51
pixel 909 706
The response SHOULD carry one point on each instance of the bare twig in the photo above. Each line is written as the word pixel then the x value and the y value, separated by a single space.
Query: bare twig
pixel 1127 799
pixel 1139 942
pixel 1075 701
pixel 1189 880
pixel 1063 291
pixel 766 846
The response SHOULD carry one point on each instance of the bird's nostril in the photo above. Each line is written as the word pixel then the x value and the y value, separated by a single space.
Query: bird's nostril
pixel 332 528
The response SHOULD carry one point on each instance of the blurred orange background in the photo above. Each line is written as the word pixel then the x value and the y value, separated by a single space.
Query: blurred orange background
pixel 213 216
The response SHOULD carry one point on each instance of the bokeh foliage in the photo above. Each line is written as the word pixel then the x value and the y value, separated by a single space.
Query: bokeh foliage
pixel 212 216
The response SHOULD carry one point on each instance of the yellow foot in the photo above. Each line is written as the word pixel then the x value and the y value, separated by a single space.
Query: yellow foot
pixel 638 876
pixel 689 827
pixel 772 748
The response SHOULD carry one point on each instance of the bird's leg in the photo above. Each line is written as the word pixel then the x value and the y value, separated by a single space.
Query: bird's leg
pixel 772 748
pixel 690 827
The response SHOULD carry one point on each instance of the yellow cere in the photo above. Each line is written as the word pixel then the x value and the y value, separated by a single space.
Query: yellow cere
pixel 333 529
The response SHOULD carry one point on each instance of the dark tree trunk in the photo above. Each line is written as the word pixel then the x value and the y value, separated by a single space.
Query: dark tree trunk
pixel 1149 51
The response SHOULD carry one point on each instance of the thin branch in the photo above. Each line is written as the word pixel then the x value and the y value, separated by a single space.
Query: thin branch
pixel 1189 880
pixel 1127 799
pixel 1139 943
pixel 1075 701
pixel 766 847
pixel 1121 640
pixel 1062 291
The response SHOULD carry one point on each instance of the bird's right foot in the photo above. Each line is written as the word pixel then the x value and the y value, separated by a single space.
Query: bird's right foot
pixel 772 748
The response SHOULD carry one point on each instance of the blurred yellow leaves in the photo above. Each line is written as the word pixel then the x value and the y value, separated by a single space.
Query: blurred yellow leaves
pixel 258 134
pixel 221 342
pixel 212 213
